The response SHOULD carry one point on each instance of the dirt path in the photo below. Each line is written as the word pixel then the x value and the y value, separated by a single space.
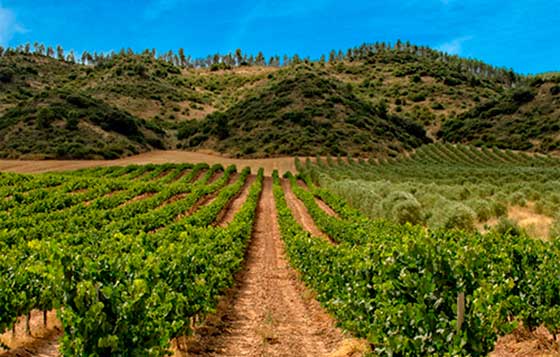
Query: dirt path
pixel 227 215
pixel 322 205
pixel 283 164
pixel 43 341
pixel 300 212
pixel 267 314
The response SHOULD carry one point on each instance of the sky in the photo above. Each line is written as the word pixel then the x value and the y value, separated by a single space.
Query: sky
pixel 519 34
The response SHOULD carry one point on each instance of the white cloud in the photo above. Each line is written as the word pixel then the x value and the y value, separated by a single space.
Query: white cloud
pixel 455 46
pixel 8 25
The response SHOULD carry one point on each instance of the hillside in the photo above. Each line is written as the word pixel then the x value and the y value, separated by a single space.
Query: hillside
pixel 524 118
pixel 373 98
pixel 57 124
pixel 303 111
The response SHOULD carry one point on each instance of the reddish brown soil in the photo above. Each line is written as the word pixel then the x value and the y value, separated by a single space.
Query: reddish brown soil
pixel 283 164
pixel 300 212
pixel 137 198
pixel 522 343
pixel 181 175
pixel 174 198
pixel 203 201
pixel 270 313
pixel 227 215
pixel 162 175
pixel 322 205
pixel 43 341
pixel 326 208
pixel 215 176
pixel 198 176
pixel 77 192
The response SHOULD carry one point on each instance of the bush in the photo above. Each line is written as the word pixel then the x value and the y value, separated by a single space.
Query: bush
pixel 402 207
pixel 408 211
pixel 518 198
pixel 6 75
pixel 483 209
pixel 499 209
pixel 453 215
pixel 507 226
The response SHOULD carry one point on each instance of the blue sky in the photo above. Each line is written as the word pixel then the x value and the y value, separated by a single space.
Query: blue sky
pixel 521 34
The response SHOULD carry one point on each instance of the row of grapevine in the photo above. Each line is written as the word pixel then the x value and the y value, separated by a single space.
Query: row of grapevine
pixel 125 288
pixel 398 285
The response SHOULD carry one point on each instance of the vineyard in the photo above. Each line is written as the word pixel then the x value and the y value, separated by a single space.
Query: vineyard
pixel 129 256
pixel 415 255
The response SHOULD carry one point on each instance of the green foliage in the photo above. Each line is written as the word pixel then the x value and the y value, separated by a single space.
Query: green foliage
pixel 399 290
pixel 301 111
pixel 33 128
pixel 507 226
pixel 514 120
pixel 128 275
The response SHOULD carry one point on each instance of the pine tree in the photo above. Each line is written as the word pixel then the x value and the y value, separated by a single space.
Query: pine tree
pixel 40 49
pixel 332 56
pixel 60 53
pixel 71 57
pixel 238 56
pixel 182 58
pixel 259 61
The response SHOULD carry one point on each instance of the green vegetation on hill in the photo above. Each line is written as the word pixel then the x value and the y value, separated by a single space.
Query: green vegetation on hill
pixel 372 98
pixel 60 124
pixel 303 111
pixel 523 118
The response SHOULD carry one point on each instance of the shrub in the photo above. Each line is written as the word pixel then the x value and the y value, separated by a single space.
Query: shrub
pixel 407 211
pixel 507 226
pixel 453 215
pixel 499 209
pixel 518 198
pixel 483 209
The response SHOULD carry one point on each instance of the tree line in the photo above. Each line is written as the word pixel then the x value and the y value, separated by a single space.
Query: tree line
pixel 238 58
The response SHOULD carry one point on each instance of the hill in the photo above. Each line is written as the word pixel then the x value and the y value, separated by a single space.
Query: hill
pixel 58 124
pixel 372 98
pixel 303 111
pixel 523 118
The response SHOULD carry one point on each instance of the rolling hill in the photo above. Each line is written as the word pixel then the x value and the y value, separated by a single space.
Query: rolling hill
pixel 372 99
pixel 524 118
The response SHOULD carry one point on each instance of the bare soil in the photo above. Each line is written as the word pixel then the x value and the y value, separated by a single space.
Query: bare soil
pixel 269 312
pixel 180 176
pixel 227 215
pixel 535 224
pixel 140 197
pixel 326 208
pixel 283 164
pixel 300 212
pixel 322 205
pixel 522 343
pixel 43 341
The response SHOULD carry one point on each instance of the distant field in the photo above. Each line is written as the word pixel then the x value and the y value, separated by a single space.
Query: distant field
pixel 281 164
